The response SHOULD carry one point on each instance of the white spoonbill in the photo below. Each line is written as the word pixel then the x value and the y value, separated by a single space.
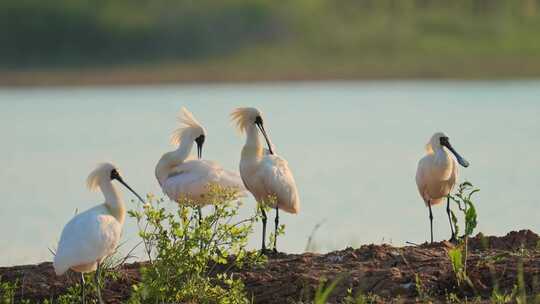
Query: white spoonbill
pixel 91 236
pixel 437 174
pixel 183 178
pixel 266 175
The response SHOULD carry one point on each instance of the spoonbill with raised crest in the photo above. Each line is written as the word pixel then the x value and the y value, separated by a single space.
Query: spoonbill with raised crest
pixel 437 174
pixel 89 237
pixel 183 178
pixel 266 175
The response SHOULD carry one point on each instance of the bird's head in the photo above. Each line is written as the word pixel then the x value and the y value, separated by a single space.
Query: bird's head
pixel 105 172
pixel 190 130
pixel 247 117
pixel 439 140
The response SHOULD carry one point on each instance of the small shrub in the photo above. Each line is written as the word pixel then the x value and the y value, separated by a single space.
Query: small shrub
pixel 192 261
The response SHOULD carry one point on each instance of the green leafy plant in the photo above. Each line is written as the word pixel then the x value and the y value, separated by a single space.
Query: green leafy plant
pixel 423 293
pixel 324 291
pixel 361 298
pixel 192 260
pixel 109 272
pixel 7 292
pixel 458 260
pixel 458 256
pixel 463 198
pixel 518 294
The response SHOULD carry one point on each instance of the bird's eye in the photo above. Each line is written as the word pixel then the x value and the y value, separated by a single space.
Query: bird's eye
pixel 258 120
pixel 200 139
pixel 114 174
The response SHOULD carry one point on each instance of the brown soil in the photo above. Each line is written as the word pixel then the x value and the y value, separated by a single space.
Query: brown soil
pixel 388 272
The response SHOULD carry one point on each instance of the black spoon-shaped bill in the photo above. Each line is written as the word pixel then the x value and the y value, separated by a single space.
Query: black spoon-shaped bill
pixel 263 131
pixel 462 161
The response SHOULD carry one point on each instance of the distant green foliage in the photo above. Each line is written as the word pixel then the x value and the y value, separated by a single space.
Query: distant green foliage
pixel 390 32
pixel 191 262
pixel 83 32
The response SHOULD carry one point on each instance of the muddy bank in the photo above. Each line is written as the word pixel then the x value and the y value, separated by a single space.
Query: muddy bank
pixel 403 274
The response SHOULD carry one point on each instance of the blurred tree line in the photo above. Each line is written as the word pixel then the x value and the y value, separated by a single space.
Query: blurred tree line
pixel 103 32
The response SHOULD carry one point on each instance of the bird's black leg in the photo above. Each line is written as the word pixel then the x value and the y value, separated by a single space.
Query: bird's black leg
pixel 276 221
pixel 430 220
pixel 453 238
pixel 83 295
pixel 96 281
pixel 199 209
pixel 264 218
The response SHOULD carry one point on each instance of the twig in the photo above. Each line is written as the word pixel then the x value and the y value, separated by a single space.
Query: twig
pixel 312 235
pixel 411 243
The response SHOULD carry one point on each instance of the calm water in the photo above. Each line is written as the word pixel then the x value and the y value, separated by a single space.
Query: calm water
pixel 353 147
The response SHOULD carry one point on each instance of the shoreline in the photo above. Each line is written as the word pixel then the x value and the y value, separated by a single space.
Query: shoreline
pixel 224 73
pixel 383 272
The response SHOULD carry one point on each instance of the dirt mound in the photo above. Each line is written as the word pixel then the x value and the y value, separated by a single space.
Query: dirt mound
pixel 412 274
pixel 515 240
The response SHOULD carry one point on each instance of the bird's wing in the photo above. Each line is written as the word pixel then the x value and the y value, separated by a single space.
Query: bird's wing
pixel 88 237
pixel 191 180
pixel 278 181
pixel 454 176
pixel 421 178
pixel 232 179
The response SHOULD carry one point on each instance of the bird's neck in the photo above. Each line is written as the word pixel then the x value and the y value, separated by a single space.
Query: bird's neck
pixel 253 148
pixel 172 159
pixel 182 153
pixel 442 158
pixel 113 201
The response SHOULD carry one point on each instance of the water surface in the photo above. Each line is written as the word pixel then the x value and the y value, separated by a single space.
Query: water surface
pixel 353 148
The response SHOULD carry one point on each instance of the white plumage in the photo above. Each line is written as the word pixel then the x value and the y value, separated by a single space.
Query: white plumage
pixel 437 173
pixel 91 236
pixel 266 175
pixel 86 240
pixel 181 177
pixel 272 178
pixel 190 180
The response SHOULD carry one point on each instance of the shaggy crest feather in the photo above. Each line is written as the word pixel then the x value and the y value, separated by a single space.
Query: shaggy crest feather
pixel 187 122
pixel 433 141
pixel 243 117
pixel 100 173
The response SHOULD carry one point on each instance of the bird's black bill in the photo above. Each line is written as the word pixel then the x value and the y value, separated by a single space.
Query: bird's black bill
pixel 462 161
pixel 132 191
pixel 200 142
pixel 263 131
pixel 199 150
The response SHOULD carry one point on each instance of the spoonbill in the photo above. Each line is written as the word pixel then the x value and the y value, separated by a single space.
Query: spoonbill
pixel 89 237
pixel 183 178
pixel 266 175
pixel 437 174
